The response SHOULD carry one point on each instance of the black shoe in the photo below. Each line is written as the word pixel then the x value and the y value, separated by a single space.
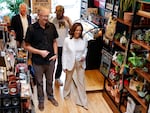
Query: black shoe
pixel 53 101
pixel 41 106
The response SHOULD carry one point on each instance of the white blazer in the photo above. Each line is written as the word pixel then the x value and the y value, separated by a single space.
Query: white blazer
pixel 68 54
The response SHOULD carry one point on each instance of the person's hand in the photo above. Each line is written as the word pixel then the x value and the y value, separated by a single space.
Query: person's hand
pixel 67 19
pixel 53 58
pixel 44 53
pixel 82 59
pixel 65 70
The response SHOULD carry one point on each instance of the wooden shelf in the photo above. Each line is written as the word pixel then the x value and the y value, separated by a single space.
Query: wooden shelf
pixel 141 1
pixel 112 98
pixel 129 24
pixel 111 82
pixel 120 45
pixel 143 13
pixel 114 63
pixel 123 22
pixel 123 108
pixel 141 43
pixel 143 74
pixel 110 102
pixel 135 95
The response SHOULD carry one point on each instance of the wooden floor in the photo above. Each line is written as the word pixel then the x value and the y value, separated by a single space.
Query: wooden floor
pixel 94 80
pixel 96 102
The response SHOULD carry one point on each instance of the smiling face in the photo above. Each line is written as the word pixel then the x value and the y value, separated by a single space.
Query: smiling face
pixel 23 9
pixel 78 32
pixel 43 16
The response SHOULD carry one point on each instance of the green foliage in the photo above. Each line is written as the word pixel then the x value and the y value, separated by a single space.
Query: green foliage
pixel 147 98
pixel 127 5
pixel 117 68
pixel 136 61
pixel 118 36
pixel 12 5
pixel 120 58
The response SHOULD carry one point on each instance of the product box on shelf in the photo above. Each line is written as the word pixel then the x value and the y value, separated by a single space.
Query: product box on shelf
pixel 22 55
pixel 105 62
pixel 10 100
pixel 132 107
pixel 3 76
pixel 134 84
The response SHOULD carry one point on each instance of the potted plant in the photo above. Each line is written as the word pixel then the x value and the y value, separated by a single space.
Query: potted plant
pixel 120 58
pixel 136 61
pixel 125 6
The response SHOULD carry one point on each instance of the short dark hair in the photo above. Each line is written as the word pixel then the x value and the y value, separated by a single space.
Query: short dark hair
pixel 59 8
pixel 73 28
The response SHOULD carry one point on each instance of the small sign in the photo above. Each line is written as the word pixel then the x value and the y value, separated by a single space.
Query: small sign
pixel 37 3
pixel 105 62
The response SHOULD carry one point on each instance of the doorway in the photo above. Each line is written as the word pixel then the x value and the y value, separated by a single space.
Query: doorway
pixel 72 8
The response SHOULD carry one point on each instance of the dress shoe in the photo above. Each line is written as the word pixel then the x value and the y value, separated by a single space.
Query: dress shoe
pixel 41 106
pixel 53 101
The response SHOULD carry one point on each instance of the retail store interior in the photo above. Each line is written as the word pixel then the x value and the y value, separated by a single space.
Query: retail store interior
pixel 117 73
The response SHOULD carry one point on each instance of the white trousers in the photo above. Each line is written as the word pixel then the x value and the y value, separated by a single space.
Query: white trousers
pixel 75 83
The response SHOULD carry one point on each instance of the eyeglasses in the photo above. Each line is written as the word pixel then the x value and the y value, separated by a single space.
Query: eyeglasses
pixel 45 16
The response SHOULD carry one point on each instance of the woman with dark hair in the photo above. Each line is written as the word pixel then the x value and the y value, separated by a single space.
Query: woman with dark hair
pixel 73 60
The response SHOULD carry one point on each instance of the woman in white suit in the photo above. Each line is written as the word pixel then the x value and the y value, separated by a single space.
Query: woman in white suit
pixel 73 60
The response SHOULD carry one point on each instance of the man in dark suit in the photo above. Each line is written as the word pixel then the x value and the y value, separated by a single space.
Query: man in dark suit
pixel 19 24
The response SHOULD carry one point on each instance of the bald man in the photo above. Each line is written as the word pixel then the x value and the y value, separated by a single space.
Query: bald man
pixel 41 41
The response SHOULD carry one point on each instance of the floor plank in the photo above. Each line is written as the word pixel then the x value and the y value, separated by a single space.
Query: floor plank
pixel 96 102
pixel 94 80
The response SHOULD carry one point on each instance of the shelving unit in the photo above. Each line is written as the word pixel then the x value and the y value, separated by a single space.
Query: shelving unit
pixel 10 103
pixel 15 96
pixel 112 5
pixel 138 70
pixel 116 45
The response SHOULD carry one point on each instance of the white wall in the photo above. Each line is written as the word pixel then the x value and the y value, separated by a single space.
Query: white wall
pixel 72 7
